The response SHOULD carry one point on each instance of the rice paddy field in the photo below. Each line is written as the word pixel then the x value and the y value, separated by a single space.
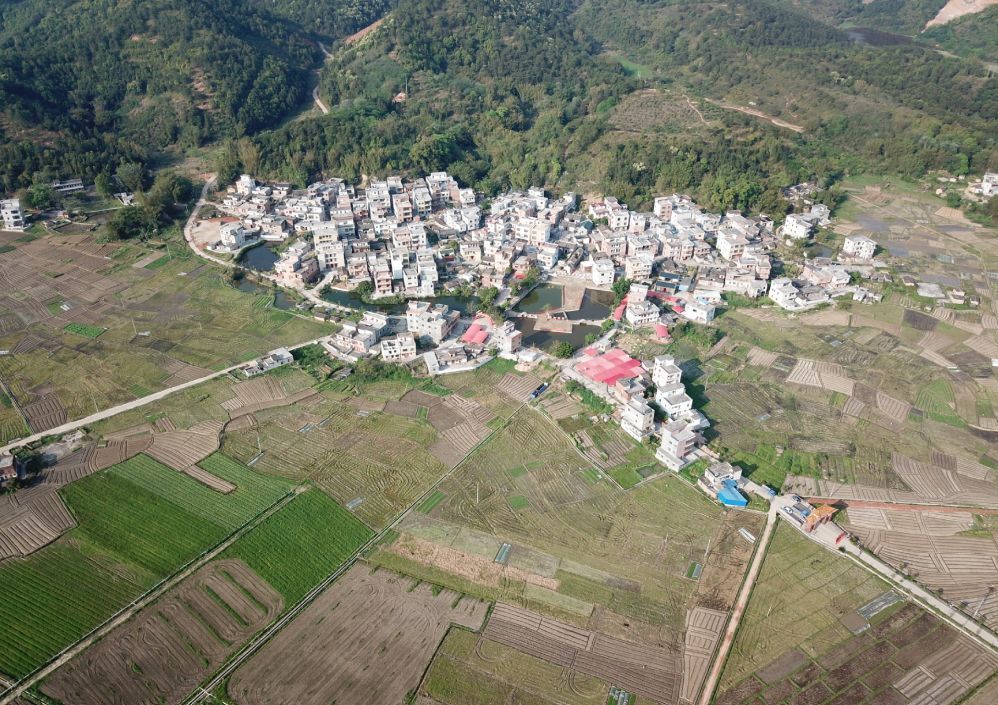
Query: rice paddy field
pixel 88 326
pixel 138 522
pixel 579 547
pixel 295 548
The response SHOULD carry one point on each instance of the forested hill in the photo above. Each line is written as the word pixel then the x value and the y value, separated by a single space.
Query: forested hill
pixel 633 97
pixel 85 83
pixel 727 99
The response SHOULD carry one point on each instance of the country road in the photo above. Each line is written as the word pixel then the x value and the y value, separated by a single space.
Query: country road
pixel 738 609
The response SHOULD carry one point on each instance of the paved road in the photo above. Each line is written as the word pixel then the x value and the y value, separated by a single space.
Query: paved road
pixel 128 612
pixel 739 608
pixel 927 599
pixel 134 404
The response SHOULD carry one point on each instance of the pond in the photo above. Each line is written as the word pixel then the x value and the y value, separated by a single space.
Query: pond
pixel 877 38
pixel 596 305
pixel 281 299
pixel 544 339
pixel 543 298
pixel 351 300
pixel 259 257
pixel 818 249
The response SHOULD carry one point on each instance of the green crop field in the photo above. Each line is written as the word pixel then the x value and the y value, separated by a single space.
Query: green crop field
pixel 85 330
pixel 298 546
pixel 59 594
pixel 138 523
pixel 800 595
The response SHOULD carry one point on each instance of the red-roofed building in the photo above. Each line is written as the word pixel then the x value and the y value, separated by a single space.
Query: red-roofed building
pixel 475 334
pixel 611 367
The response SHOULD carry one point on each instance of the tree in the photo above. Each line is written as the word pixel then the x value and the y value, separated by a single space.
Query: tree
pixel 132 176
pixel 40 196
pixel 130 222
pixel 487 296
pixel 104 184
pixel 563 349
pixel 620 289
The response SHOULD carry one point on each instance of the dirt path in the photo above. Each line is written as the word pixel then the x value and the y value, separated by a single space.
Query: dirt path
pixel 695 109
pixel 147 598
pixel 757 113
pixel 728 640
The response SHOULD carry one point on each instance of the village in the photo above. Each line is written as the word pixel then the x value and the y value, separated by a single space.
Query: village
pixel 400 247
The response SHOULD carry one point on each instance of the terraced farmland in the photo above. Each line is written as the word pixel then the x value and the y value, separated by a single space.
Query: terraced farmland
pixel 376 463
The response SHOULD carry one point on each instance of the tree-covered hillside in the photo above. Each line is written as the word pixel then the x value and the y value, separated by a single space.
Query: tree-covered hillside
pixel 597 95
pixel 85 84
pixel 726 99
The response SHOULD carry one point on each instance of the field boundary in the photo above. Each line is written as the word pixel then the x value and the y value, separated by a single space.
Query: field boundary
pixel 19 688
pixel 239 658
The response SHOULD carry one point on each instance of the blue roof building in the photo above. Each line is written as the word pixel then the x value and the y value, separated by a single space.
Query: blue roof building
pixel 729 495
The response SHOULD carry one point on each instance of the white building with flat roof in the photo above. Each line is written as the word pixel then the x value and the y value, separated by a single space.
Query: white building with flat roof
pixel 603 272
pixel 11 215
pixel 637 419
pixel 401 348
pixel 859 246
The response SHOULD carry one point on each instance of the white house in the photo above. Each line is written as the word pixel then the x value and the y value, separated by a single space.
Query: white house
pixel 603 272
pixel 666 372
pixel 637 419
pixel 401 348
pixel 699 311
pixel 797 227
pixel 426 320
pixel 639 266
pixel 859 246
pixel 678 442
pixel 11 215
pixel 507 338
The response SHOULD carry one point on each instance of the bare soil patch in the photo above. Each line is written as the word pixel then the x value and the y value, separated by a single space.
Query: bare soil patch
pixel 172 645
pixel 365 641
pixel 649 671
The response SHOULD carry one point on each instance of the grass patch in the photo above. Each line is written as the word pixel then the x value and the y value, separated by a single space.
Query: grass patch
pixel 517 502
pixel 85 330
pixel 301 544
pixel 518 471
pixel 157 263
pixel 625 476
pixel 430 502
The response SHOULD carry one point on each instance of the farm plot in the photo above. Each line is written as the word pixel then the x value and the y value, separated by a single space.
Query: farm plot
pixel 365 640
pixel 171 645
pixel 376 464
pixel 517 386
pixel 908 657
pixel 703 631
pixel 650 671
pixel 472 669
pixel 137 523
pixel 35 521
pixel 798 602
pixel 156 329
pixel 827 375
pixel 600 546
pixel 927 546
pixel 294 549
